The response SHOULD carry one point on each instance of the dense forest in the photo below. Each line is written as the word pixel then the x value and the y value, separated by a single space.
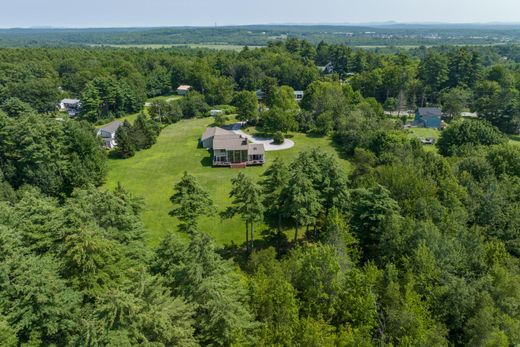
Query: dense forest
pixel 409 248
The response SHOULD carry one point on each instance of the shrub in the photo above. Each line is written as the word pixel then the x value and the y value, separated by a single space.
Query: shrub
pixel 278 138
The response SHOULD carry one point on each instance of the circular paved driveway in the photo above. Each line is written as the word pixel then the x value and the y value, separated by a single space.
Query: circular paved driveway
pixel 268 143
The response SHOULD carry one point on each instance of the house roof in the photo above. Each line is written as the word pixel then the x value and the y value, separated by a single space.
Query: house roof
pixel 260 94
pixel 211 132
pixel 184 87
pixel 429 112
pixel 256 148
pixel 70 101
pixel 230 142
pixel 111 127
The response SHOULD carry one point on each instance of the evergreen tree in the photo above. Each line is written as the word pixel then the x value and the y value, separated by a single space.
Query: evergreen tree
pixel 373 213
pixel 190 202
pixel 204 278
pixel 126 145
pixel 248 203
pixel 144 132
pixel 275 180
pixel 301 201
pixel 36 301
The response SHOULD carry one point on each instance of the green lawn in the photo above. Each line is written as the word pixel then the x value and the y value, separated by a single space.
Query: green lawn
pixel 424 133
pixel 514 139
pixel 168 98
pixel 131 117
pixel 152 174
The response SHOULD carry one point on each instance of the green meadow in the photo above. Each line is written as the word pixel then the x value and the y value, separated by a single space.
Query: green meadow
pixel 151 174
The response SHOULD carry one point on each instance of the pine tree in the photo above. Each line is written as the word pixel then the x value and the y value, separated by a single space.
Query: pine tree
pixel 247 203
pixel 204 278
pixel 125 142
pixel 144 132
pixel 190 202
pixel 275 180
pixel 301 201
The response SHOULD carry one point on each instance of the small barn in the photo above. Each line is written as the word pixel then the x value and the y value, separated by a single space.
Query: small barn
pixel 183 89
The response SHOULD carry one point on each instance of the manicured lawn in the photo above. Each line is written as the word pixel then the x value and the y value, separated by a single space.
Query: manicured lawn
pixel 424 133
pixel 168 98
pixel 514 139
pixel 152 174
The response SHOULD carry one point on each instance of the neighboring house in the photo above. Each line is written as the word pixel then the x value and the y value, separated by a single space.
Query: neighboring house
pixel 298 95
pixel 108 133
pixel 428 117
pixel 71 106
pixel 327 69
pixel 260 94
pixel 230 149
pixel 215 112
pixel 183 89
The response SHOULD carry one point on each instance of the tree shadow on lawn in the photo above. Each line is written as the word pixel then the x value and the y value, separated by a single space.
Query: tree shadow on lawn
pixel 514 137
pixel 339 149
pixel 207 162
pixel 270 238
pixel 114 154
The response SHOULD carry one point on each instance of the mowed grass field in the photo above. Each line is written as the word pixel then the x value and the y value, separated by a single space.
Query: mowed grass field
pixel 425 133
pixel 151 174
pixel 514 139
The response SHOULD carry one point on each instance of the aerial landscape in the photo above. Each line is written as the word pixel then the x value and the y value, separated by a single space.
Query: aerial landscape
pixel 289 173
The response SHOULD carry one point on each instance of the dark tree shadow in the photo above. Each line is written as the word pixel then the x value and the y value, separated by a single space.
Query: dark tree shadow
pixel 270 238
pixel 206 162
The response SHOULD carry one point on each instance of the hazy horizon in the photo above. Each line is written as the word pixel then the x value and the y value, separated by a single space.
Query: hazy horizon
pixel 171 13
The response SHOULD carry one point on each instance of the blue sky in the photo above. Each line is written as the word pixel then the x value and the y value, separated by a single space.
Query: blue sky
pixel 114 13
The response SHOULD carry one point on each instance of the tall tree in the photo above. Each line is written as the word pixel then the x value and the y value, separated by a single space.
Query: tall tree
pixel 247 202
pixel 454 101
pixel 275 180
pixel 204 278
pixel 247 105
pixel 126 146
pixel 301 201
pixel 190 202
pixel 433 72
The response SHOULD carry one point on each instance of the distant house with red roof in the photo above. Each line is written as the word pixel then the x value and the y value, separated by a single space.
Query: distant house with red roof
pixel 183 89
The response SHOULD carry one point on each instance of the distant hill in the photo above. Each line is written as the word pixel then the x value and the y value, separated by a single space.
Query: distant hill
pixel 378 34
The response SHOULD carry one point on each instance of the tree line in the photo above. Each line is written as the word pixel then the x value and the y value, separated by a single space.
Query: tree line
pixel 115 82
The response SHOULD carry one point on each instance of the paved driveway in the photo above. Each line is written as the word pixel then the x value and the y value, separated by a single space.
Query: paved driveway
pixel 268 143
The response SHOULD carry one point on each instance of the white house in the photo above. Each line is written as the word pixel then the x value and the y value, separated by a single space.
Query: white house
pixel 298 95
pixel 71 106
pixel 214 113
pixel 260 94
pixel 108 133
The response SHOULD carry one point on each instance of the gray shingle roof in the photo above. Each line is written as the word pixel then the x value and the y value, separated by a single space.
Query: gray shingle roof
pixel 430 112
pixel 70 101
pixel 210 132
pixel 230 142
pixel 111 127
